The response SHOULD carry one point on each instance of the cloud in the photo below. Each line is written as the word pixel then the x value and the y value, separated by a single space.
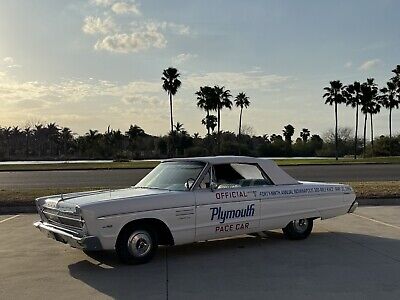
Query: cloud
pixel 94 25
pixel 132 42
pixel 37 95
pixel 9 63
pixel 349 64
pixel 125 8
pixel 178 28
pixel 144 101
pixel 175 28
pixel 183 57
pixel 104 3
pixel 123 37
pixel 253 80
pixel 8 60
pixel 369 64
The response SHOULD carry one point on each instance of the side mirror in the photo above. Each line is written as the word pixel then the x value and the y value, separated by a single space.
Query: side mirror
pixel 213 186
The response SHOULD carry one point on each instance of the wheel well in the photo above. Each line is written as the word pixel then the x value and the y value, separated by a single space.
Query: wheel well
pixel 163 233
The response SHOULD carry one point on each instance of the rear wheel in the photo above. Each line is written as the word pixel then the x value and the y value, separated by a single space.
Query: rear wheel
pixel 298 229
pixel 137 245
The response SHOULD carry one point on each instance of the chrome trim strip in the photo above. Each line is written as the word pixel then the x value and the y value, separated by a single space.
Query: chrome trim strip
pixel 74 239
pixel 57 229
pixel 64 217
pixel 139 211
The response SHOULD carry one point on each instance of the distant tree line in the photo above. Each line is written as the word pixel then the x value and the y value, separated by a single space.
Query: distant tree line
pixel 51 141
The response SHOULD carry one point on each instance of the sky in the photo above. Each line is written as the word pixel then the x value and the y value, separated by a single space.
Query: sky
pixel 98 63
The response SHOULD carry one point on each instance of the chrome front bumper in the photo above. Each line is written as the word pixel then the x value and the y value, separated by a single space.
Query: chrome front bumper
pixel 353 207
pixel 70 237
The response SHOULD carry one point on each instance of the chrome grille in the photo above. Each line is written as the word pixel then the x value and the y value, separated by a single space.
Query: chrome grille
pixel 63 218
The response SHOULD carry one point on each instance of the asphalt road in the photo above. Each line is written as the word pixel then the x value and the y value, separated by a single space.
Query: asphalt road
pixel 123 178
pixel 356 256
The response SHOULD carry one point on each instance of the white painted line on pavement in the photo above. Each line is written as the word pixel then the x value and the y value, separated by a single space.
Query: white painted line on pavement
pixel 376 221
pixel 8 219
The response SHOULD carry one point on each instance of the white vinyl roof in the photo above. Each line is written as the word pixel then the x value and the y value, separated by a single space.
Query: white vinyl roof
pixel 275 173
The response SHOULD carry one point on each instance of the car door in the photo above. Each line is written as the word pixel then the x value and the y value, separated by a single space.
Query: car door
pixel 225 210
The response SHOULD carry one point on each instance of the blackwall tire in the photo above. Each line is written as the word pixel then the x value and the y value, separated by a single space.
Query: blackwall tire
pixel 136 245
pixel 298 229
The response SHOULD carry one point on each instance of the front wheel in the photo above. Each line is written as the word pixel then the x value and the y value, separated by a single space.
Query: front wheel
pixel 298 229
pixel 137 245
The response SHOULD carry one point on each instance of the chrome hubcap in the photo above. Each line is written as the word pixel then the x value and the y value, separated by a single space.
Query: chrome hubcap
pixel 139 243
pixel 300 225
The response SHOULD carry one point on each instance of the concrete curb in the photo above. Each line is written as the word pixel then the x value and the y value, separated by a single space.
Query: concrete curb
pixel 17 209
pixel 361 202
pixel 378 201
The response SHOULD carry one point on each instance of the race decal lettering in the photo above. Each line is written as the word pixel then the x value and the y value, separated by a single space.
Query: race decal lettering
pixel 231 195
pixel 304 191
pixel 232 227
pixel 217 213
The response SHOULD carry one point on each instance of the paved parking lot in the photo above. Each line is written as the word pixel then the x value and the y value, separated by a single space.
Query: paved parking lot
pixel 350 257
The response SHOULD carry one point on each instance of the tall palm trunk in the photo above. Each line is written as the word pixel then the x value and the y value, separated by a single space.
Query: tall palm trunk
pixel 355 137
pixel 172 147
pixel 240 128
pixel 207 118
pixel 219 120
pixel 365 134
pixel 372 135
pixel 170 107
pixel 219 130
pixel 336 131
pixel 390 131
pixel 26 147
pixel 240 121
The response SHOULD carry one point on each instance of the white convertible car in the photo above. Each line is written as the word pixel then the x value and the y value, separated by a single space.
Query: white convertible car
pixel 192 199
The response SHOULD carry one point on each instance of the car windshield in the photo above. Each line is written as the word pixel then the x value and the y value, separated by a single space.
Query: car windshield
pixel 172 176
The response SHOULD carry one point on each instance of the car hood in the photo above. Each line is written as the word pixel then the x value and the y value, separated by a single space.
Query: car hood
pixel 70 201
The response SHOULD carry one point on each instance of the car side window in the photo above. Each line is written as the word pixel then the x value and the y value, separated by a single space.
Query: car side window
pixel 236 175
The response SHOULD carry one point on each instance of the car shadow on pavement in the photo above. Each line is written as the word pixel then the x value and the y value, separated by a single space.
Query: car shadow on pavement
pixel 200 266
pixel 103 272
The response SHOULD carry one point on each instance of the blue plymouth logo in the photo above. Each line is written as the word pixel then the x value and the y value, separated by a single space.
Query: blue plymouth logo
pixel 218 214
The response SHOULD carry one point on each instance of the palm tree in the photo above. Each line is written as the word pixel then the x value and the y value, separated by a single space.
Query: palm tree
pixel 28 134
pixel 179 127
pixel 241 101
pixel 66 138
pixel 353 98
pixel 205 100
pixel 222 100
pixel 396 71
pixel 171 84
pixel 334 96
pixel 288 132
pixel 134 131
pixel 389 98
pixel 92 135
pixel 305 134
pixel 210 121
pixel 53 132
pixel 369 92
pixel 373 110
